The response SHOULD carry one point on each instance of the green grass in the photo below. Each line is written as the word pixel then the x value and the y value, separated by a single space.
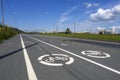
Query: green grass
pixel 7 32
pixel 101 37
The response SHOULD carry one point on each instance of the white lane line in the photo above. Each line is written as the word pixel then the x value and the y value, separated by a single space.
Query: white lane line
pixel 30 70
pixel 91 61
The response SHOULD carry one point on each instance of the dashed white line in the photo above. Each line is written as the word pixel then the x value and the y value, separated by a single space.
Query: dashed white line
pixel 91 61
pixel 30 70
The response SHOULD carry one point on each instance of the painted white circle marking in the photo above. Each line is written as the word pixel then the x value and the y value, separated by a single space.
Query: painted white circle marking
pixel 95 54
pixel 55 59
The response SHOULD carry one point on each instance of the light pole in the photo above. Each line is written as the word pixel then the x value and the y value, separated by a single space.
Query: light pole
pixel 74 21
pixel 2 8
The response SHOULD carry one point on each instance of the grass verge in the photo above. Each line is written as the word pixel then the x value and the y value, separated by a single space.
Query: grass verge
pixel 101 37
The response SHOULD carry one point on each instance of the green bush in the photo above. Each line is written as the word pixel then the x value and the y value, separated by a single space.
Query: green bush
pixel 67 31
pixel 7 32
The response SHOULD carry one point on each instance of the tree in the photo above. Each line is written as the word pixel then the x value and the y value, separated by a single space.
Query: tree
pixel 67 31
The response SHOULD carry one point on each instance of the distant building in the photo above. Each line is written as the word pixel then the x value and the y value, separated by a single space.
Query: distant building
pixel 105 32
pixel 116 29
pixel 112 30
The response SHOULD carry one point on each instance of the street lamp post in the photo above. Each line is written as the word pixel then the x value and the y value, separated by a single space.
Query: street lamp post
pixel 2 8
pixel 74 21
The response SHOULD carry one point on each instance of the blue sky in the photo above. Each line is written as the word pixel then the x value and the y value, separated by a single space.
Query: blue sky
pixel 51 14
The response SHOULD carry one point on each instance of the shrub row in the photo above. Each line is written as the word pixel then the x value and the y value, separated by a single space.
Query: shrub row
pixel 7 32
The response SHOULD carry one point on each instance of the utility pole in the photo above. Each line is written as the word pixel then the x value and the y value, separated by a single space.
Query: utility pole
pixel 74 21
pixel 2 8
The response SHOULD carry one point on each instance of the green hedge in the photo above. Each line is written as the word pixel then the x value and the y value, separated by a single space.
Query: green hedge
pixel 7 32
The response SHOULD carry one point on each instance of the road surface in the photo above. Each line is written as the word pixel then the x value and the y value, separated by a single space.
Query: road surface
pixel 38 57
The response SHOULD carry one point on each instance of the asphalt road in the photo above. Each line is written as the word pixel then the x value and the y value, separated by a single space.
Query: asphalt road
pixel 37 57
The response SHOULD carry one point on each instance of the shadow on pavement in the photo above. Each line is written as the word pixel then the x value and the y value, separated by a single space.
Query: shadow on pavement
pixel 11 53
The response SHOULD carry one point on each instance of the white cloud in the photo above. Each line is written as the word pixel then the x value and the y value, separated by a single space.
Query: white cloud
pixel 101 28
pixel 63 19
pixel 64 16
pixel 88 5
pixel 106 14
pixel 102 15
pixel 95 4
pixel 116 9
